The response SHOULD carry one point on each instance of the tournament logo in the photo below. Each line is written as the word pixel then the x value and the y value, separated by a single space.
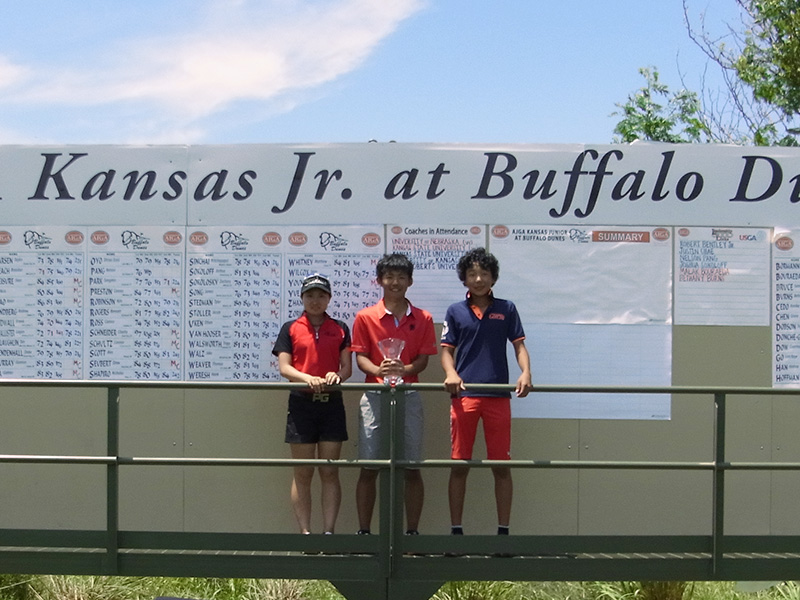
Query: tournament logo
pixel 135 241
pixel 198 238
pixel 74 238
pixel 100 237
pixel 271 238
pixel 5 237
pixel 172 238
pixel 371 239
pixel 298 238
pixel 722 235
pixel 233 241
pixel 579 236
pixel 500 231
pixel 784 243
pixel 332 242
pixel 34 239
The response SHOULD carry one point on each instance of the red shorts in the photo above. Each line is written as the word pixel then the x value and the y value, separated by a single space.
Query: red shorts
pixel 466 411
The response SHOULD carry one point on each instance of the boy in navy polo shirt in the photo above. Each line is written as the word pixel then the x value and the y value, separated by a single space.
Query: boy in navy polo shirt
pixel 315 349
pixel 474 340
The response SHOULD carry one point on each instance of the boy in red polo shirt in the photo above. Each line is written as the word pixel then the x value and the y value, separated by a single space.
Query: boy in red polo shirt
pixel 392 317
pixel 315 349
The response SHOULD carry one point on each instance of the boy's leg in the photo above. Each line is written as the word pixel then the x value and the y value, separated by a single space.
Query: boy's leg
pixel 414 487
pixel 368 448
pixel 301 486
pixel 366 490
pixel 414 498
pixel 456 490
pixel 503 494
pixel 497 432
pixel 463 427
pixel 331 489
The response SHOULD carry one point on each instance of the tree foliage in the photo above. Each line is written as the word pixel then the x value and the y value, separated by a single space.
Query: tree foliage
pixel 758 102
pixel 652 113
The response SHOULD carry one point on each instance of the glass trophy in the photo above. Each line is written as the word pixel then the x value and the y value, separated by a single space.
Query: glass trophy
pixel 391 349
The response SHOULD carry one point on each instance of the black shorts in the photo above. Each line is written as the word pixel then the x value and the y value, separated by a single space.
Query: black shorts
pixel 313 418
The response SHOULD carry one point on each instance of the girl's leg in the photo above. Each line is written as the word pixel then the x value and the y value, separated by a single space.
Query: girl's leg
pixel 301 486
pixel 331 488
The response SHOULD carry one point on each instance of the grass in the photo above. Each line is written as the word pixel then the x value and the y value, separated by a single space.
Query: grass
pixel 47 587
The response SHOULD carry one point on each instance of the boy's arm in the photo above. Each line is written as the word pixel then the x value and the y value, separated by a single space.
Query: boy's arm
pixel 417 365
pixel 386 368
pixel 524 384
pixel 452 380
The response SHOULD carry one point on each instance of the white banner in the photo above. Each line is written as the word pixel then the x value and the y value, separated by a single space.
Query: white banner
pixel 640 184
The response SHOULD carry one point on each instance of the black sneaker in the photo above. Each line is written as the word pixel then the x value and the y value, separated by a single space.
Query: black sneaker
pixel 363 532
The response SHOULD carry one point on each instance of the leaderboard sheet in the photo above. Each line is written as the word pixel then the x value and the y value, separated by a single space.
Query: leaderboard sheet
pixel 165 303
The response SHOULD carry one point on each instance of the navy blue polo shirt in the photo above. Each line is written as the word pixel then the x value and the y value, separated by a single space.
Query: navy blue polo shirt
pixel 480 342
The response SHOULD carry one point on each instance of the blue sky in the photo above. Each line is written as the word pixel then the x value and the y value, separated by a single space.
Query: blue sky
pixel 318 71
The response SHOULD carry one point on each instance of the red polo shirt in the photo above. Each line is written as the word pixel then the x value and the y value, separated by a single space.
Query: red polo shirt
pixel 374 323
pixel 313 352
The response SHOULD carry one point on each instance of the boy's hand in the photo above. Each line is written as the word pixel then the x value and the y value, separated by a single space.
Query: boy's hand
pixel 524 385
pixel 391 366
pixel 454 384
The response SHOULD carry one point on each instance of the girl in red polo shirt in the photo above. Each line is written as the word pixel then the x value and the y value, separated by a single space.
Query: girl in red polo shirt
pixel 315 349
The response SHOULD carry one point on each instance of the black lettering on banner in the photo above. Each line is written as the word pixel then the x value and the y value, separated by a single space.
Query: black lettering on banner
pixel 490 172
pixel 217 181
pixel 297 180
pixel 134 180
pixel 57 177
pixel 402 185
pixel 776 179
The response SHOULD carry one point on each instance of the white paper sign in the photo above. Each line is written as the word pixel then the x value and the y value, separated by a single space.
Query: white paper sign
pixel 721 276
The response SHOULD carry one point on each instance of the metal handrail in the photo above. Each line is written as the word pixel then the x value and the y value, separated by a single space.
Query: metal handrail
pixel 391 498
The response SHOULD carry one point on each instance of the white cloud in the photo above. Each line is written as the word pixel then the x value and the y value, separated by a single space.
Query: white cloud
pixel 243 50
pixel 11 74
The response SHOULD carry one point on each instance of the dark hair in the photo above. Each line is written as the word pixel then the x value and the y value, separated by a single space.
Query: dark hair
pixel 480 257
pixel 394 262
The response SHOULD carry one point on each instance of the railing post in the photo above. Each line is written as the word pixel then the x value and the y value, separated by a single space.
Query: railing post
pixel 386 478
pixel 112 482
pixel 718 524
pixel 398 475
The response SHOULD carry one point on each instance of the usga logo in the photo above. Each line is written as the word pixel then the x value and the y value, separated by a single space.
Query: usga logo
pixel 371 239
pixel 475 230
pixel 100 237
pixel 198 238
pixel 661 234
pixel 172 238
pixel 298 238
pixel 500 231
pixel 784 243
pixel 5 237
pixel 683 232
pixel 74 237
pixel 271 238
pixel 397 229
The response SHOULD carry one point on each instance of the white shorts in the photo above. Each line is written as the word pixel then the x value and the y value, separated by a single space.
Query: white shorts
pixel 369 422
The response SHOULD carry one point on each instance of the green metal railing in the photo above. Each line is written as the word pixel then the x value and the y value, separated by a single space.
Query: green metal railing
pixel 390 564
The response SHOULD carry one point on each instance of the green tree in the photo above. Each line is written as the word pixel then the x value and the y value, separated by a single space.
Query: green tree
pixel 652 113
pixel 758 101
